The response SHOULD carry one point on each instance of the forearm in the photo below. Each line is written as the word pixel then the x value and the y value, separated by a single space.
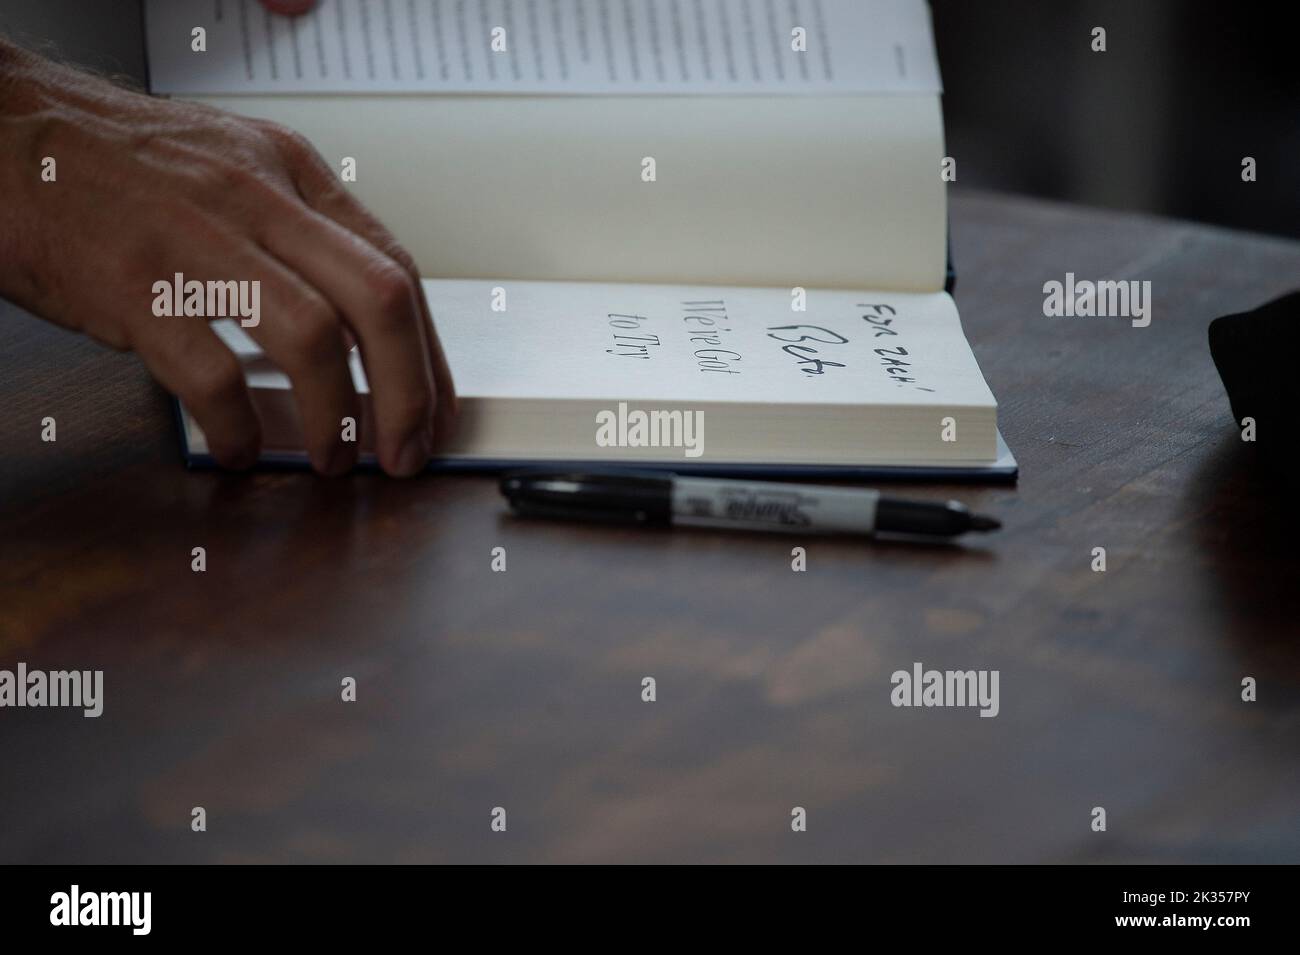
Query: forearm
pixel 54 124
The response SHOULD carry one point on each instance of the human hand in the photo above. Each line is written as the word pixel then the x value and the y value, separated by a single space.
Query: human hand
pixel 147 188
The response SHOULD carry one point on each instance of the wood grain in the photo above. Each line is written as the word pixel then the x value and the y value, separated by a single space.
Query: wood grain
pixel 522 689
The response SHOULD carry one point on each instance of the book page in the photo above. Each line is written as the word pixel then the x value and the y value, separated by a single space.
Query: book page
pixel 844 378
pixel 706 344
pixel 594 47
pixel 834 191
pixel 575 341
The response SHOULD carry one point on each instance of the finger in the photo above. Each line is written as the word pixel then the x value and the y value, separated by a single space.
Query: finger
pixel 192 363
pixel 300 331
pixel 349 213
pixel 379 302
pixel 320 188
pixel 289 8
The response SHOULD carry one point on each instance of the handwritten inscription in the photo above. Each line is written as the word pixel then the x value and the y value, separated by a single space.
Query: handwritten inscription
pixel 707 324
pixel 627 344
pixel 797 338
pixel 816 350
pixel 815 347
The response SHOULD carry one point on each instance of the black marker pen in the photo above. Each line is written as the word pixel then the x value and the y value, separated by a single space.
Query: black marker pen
pixel 637 497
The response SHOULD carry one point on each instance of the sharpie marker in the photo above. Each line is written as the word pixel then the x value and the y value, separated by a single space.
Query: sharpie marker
pixel 653 499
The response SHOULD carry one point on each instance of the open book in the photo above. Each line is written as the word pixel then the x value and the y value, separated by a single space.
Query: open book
pixel 730 209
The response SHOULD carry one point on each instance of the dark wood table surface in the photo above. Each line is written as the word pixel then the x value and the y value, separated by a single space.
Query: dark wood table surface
pixel 523 689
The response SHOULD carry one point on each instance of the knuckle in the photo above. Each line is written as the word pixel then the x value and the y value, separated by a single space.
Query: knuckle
pixel 225 177
pixel 403 259
pixel 393 291
pixel 296 140
pixel 290 142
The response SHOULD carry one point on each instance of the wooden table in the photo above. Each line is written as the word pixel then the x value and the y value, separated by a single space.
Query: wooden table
pixel 522 689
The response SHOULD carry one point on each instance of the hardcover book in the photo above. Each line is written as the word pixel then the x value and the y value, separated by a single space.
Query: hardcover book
pixel 730 211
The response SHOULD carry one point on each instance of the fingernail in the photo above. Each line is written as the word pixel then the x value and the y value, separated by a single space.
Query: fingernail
pixel 414 455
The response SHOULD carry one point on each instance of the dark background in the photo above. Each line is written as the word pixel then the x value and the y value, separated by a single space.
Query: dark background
pixel 1158 123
